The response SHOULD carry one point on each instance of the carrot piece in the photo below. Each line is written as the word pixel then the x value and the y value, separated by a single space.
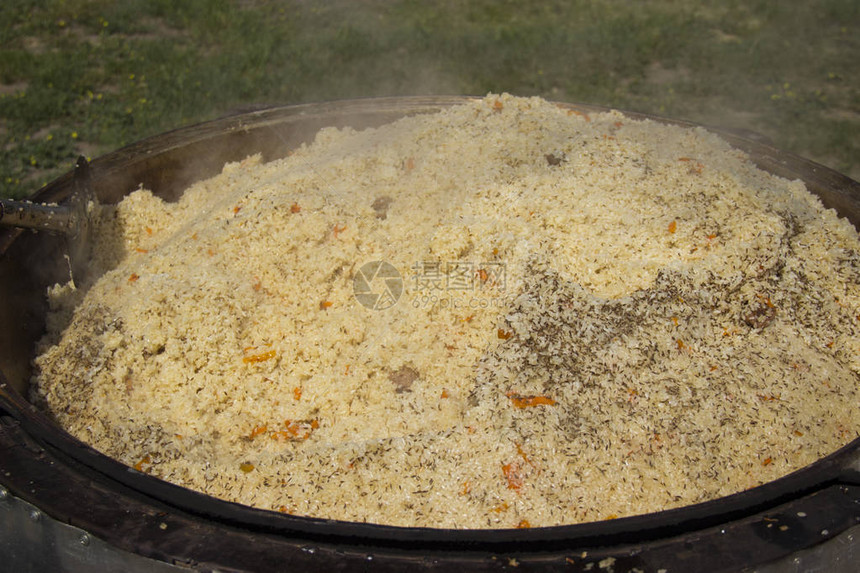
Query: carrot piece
pixel 258 430
pixel 530 401
pixel 262 357
pixel 579 113
pixel 696 167
pixel 145 461
pixel 296 431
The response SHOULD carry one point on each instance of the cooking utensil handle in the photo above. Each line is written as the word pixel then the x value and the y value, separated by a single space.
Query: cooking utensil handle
pixel 59 218
pixel 67 219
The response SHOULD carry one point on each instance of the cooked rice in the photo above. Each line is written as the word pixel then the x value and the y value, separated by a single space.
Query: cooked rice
pixel 642 320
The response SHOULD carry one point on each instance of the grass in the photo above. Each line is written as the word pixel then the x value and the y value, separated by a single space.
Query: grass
pixel 88 76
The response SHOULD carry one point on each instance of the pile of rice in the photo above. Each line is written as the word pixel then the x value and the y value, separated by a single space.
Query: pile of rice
pixel 599 317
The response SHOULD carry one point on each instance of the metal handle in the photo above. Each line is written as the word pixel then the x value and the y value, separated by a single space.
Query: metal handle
pixel 59 218
pixel 67 219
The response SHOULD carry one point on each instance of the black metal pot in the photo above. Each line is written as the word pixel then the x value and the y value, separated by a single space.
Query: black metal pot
pixel 64 506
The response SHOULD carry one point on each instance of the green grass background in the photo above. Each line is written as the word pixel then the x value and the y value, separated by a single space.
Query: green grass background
pixel 89 76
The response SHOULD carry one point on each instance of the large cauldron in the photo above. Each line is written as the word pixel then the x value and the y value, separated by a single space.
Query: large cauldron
pixel 65 507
